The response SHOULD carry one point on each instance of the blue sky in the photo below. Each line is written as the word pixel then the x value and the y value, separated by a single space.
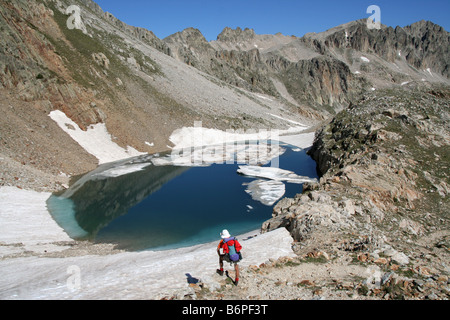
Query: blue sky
pixel 290 17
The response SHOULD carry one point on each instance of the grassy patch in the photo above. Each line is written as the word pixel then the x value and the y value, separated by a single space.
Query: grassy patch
pixel 319 260
pixel 77 52
pixel 77 49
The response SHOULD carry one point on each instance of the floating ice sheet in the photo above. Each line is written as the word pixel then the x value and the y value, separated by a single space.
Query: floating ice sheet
pixel 241 153
pixel 272 173
pixel 266 191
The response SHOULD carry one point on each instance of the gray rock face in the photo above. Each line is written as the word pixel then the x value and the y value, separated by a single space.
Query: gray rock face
pixel 423 44
pixel 375 165
pixel 237 35
pixel 324 71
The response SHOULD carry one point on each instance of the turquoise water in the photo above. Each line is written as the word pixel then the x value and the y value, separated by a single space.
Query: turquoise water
pixel 165 207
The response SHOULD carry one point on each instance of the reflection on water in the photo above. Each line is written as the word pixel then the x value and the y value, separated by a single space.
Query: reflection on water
pixel 139 205
pixel 106 193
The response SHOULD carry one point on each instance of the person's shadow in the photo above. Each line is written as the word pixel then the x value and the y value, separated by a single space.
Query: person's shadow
pixel 228 276
pixel 191 279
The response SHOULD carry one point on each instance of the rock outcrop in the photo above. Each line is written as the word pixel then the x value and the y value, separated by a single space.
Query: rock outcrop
pixel 380 157
pixel 420 43
pixel 384 178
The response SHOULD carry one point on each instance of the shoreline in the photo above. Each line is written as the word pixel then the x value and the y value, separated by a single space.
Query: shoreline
pixel 32 244
pixel 41 227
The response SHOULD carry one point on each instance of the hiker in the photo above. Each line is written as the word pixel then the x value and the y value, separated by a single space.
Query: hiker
pixel 229 250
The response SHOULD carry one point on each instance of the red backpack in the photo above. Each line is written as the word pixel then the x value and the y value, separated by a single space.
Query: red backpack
pixel 232 247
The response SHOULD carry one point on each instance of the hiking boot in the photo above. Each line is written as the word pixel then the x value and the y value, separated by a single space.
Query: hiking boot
pixel 236 282
pixel 220 272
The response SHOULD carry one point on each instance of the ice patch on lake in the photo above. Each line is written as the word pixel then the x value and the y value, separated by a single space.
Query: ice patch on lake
pixel 266 191
pixel 198 136
pixel 198 146
pixel 270 191
pixel 241 153
pixel 276 174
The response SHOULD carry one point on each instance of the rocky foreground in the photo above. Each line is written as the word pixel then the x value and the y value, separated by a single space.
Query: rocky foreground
pixel 376 225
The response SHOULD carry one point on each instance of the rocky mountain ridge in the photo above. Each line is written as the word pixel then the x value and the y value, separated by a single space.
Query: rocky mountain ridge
pixel 325 70
pixel 104 72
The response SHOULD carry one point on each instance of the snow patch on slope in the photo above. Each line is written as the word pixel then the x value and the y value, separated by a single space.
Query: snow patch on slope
pixel 95 140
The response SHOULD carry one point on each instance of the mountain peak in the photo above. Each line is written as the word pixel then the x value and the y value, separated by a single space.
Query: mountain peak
pixel 188 35
pixel 426 25
pixel 228 34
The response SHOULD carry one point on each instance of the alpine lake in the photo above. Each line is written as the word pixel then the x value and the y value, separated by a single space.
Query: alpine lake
pixel 152 202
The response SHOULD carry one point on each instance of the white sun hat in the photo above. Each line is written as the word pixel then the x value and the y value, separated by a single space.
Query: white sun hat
pixel 225 234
